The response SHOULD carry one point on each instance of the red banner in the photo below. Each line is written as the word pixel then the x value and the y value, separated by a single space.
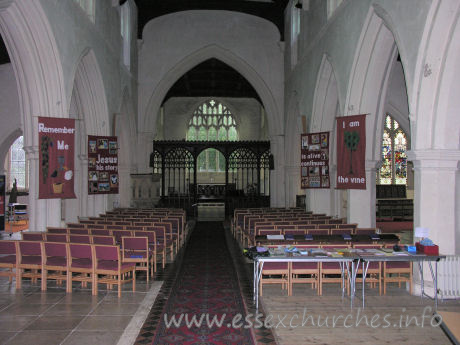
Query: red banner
pixel 102 165
pixel 56 140
pixel 351 152
pixel 314 160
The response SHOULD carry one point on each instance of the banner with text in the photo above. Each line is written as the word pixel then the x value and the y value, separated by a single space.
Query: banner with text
pixel 102 165
pixel 314 160
pixel 56 140
pixel 351 151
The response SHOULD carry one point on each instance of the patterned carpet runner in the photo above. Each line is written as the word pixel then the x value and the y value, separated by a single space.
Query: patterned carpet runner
pixel 205 301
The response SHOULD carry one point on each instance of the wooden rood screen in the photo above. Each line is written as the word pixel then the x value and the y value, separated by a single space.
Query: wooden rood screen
pixel 247 177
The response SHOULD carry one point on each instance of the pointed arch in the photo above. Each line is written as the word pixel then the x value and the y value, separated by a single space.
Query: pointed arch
pixel 90 88
pixel 203 54
pixel 367 89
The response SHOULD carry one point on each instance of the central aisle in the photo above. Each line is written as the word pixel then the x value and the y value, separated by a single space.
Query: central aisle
pixel 204 294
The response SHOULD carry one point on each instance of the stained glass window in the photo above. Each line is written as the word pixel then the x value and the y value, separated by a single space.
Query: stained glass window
pixel 212 121
pixel 394 160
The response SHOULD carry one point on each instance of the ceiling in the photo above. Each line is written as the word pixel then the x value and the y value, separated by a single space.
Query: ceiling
pixel 272 10
pixel 212 78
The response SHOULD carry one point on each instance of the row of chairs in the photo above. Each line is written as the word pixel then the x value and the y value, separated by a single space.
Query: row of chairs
pixel 85 228
pixel 171 242
pixel 281 229
pixel 319 273
pixel 157 241
pixel 69 262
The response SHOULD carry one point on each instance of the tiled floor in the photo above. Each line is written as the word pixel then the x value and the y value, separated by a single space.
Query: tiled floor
pixel 54 317
pixel 28 316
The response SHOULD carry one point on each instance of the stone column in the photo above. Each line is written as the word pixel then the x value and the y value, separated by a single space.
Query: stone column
pixel 292 185
pixel 83 192
pixel 42 212
pixel 124 190
pixel 361 202
pixel 277 176
pixel 436 194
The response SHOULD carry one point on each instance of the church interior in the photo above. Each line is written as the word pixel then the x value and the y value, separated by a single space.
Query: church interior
pixel 164 163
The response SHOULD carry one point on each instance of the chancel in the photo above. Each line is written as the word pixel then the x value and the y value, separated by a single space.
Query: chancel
pixel 236 161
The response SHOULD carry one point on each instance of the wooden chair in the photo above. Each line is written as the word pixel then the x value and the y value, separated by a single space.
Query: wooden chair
pixel 365 231
pixel 108 263
pixel 305 272
pixel 397 272
pixel 54 260
pixel 318 232
pixel 171 242
pixel 100 232
pixel 374 270
pixel 56 230
pixel 8 258
pixel 152 244
pixel 118 234
pixel 81 262
pixel 275 273
pixel 50 237
pixel 32 236
pixel 160 237
pixel 99 239
pixel 73 238
pixel 29 258
pixel 136 249
pixel 330 270
pixel 341 231
pixel 76 226
pixel 79 231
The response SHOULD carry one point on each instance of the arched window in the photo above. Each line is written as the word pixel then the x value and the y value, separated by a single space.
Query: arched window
pixel 15 165
pixel 212 121
pixel 394 160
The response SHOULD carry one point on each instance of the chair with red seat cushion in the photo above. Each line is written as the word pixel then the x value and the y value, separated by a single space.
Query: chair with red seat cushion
pixel 152 245
pixel 52 237
pixel 8 258
pixel 397 272
pixel 81 262
pixel 108 263
pixel 160 237
pixel 99 239
pixel 305 272
pixel 275 273
pixel 32 236
pixel 374 270
pixel 29 258
pixel 54 260
pixel 56 230
pixel 79 238
pixel 332 272
pixel 136 249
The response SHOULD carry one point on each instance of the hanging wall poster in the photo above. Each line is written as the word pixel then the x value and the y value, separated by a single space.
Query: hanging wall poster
pixel 102 165
pixel 2 201
pixel 314 160
pixel 351 151
pixel 56 138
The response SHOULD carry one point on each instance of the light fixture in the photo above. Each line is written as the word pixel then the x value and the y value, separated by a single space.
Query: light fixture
pixel 299 4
